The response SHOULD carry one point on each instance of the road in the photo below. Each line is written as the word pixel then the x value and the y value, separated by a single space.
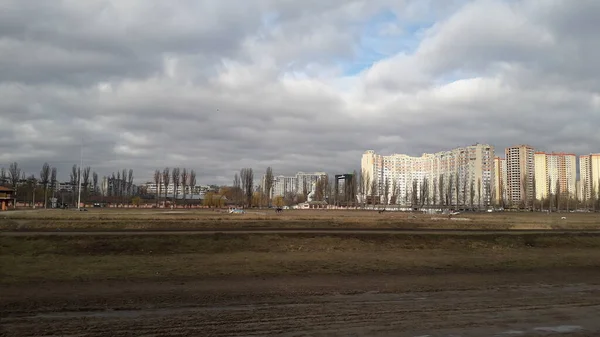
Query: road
pixel 353 231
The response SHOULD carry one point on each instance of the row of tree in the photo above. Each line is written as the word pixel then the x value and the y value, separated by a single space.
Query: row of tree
pixel 176 178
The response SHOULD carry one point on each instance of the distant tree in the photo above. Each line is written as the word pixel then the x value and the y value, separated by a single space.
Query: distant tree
pixel 53 181
pixel 450 191
pixel 130 182
pixel 472 193
pixel 434 195
pixel 158 184
pixel 457 189
pixel 192 182
pixel 441 189
pixel 414 192
pixel 85 180
pixel 95 182
pixel 74 180
pixel 184 183
pixel 247 178
pixel 367 186
pixel 525 190
pixel 136 201
pixel 464 192
pixel 558 195
pixel 166 179
pixel 45 181
pixel 176 174
pixel 269 184
pixel 237 190
pixel 479 193
pixel 14 174
pixel 424 197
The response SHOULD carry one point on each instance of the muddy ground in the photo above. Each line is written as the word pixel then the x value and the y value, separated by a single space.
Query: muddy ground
pixel 556 302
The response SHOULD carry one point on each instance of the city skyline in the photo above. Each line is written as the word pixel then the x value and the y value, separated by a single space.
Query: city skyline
pixel 293 86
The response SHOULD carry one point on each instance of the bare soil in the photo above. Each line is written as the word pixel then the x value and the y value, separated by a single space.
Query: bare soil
pixel 559 302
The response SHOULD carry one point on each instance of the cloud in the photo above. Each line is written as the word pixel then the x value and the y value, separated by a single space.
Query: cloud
pixel 299 86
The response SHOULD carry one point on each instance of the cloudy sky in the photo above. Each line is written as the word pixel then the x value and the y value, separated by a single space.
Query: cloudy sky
pixel 296 85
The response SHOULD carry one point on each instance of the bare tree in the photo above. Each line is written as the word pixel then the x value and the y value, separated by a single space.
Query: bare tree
pixel 414 193
pixel 238 192
pixel 53 180
pixel 166 179
pixel 558 195
pixel 3 178
pixel 479 193
pixel 525 190
pixel 45 180
pixel 441 189
pixel 176 182
pixel 130 182
pixel 14 174
pixel 457 186
pixel 247 178
pixel 117 185
pixel 95 183
pixel 367 187
pixel 472 193
pixel 394 198
pixel 192 182
pixel 434 196
pixel 184 184
pixel 450 191
pixel 158 184
pixel 424 192
pixel 74 180
pixel 464 192
pixel 269 184
pixel 85 178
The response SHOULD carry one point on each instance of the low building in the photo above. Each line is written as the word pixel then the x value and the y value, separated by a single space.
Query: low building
pixel 6 197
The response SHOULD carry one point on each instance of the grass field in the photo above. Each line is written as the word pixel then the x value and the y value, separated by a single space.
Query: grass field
pixel 211 219
pixel 238 284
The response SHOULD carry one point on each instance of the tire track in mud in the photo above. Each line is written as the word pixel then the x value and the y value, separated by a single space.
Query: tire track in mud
pixel 470 312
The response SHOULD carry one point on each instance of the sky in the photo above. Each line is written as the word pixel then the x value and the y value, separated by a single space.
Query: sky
pixel 309 85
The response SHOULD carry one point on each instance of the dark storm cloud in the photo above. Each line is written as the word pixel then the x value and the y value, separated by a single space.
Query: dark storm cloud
pixel 217 86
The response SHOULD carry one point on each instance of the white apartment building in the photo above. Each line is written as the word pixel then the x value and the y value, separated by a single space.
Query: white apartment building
pixel 555 170
pixel 295 184
pixel 589 175
pixel 520 172
pixel 472 165
pixel 151 188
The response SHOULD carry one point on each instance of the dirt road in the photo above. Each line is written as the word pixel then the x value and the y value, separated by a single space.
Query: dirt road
pixel 324 231
pixel 557 302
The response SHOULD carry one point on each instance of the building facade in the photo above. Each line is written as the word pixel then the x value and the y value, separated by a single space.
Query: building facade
pixel 589 175
pixel 451 178
pixel 499 180
pixel 520 172
pixel 299 184
pixel 555 172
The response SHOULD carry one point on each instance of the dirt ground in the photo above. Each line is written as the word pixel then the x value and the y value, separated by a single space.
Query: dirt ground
pixel 560 302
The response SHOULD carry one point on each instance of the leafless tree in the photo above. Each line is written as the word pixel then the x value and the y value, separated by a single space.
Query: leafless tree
pixel 479 193
pixel 85 179
pixel 269 184
pixel 95 182
pixel 184 184
pixel 442 191
pixel 424 192
pixel 75 180
pixel 123 186
pixel 45 180
pixel 457 187
pixel 130 182
pixel 414 192
pixel 464 192
pixel 53 180
pixel 525 190
pixel 247 178
pixel 472 193
pixel 394 198
pixel 434 196
pixel 117 185
pixel 14 174
pixel 237 187
pixel 386 192
pixel 450 191
pixel 558 195
pixel 367 187
pixel 3 178
pixel 176 182
pixel 166 179
pixel 192 182
pixel 374 192
pixel 158 184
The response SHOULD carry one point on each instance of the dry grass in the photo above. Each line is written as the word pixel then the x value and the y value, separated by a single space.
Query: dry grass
pixel 205 219
pixel 89 258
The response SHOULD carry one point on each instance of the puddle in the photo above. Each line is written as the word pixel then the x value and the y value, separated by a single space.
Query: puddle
pixel 560 329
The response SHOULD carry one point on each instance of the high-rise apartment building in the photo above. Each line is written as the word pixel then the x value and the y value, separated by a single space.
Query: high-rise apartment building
pixel 555 172
pixel 589 175
pixel 299 184
pixel 463 169
pixel 499 180
pixel 520 171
